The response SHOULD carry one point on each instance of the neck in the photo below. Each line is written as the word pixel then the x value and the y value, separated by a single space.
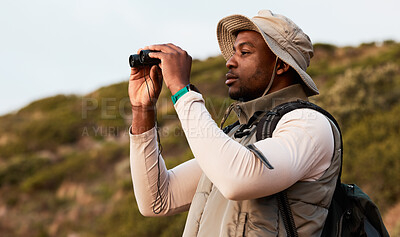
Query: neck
pixel 283 81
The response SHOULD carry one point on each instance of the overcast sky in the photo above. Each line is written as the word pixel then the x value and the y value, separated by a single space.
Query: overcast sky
pixel 48 47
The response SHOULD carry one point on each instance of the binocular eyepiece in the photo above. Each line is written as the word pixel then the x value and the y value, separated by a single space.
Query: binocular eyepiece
pixel 143 59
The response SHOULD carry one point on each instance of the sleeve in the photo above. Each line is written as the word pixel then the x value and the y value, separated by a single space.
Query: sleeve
pixel 236 171
pixel 177 185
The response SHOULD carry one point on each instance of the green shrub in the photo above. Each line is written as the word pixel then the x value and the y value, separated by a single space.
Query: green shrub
pixel 324 47
pixel 52 177
pixel 49 104
pixel 362 91
pixel 61 127
pixel 126 220
pixel 20 168
pixel 372 156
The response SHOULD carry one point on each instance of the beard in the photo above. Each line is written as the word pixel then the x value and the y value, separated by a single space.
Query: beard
pixel 246 90
pixel 242 94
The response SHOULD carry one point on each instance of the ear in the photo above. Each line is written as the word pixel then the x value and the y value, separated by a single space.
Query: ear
pixel 281 67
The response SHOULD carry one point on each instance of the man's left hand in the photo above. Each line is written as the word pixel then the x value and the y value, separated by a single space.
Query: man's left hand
pixel 175 64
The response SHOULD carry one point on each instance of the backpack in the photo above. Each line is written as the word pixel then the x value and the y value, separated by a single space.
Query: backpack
pixel 351 212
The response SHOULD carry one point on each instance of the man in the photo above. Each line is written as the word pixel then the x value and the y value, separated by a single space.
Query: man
pixel 230 184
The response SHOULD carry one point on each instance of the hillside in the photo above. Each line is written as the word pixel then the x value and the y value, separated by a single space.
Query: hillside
pixel 64 160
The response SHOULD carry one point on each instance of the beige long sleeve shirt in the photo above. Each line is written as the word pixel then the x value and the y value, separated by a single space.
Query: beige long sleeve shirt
pixel 301 148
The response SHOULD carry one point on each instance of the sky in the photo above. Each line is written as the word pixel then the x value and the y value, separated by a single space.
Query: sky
pixel 50 47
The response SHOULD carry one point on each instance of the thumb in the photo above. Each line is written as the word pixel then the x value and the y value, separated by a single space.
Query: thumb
pixel 156 76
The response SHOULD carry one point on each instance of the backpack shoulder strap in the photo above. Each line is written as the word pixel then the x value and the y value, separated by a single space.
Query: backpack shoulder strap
pixel 265 128
pixel 228 128
pixel 268 123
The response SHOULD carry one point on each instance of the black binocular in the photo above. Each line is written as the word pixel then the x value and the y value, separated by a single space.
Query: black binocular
pixel 143 59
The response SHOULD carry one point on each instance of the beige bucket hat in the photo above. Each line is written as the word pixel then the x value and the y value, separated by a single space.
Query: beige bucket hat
pixel 285 39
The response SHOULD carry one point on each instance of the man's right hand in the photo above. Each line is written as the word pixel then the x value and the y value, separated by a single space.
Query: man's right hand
pixel 145 85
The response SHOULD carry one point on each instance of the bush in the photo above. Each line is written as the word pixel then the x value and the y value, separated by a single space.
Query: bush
pixel 372 156
pixel 362 91
pixel 126 220
pixel 52 177
pixel 21 168
pixel 324 47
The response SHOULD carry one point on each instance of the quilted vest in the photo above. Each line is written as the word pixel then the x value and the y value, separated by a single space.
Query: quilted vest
pixel 211 214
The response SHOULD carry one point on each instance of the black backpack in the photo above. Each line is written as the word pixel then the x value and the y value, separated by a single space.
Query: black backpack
pixel 351 213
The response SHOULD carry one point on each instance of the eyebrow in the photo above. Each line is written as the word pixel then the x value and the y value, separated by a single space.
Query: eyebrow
pixel 244 43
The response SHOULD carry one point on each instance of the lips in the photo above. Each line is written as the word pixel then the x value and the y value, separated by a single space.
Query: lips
pixel 230 78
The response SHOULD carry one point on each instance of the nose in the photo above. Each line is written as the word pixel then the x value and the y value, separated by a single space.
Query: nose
pixel 231 63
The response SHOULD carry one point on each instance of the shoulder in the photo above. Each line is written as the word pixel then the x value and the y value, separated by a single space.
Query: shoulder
pixel 306 124
pixel 306 118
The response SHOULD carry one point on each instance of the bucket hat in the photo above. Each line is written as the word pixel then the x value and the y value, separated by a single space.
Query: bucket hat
pixel 285 39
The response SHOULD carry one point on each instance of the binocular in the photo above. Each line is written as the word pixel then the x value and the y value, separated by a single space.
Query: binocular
pixel 143 59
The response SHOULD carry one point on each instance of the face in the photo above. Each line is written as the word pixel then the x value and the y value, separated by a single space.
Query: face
pixel 250 67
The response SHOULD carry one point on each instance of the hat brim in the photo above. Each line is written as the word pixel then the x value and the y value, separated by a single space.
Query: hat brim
pixel 226 34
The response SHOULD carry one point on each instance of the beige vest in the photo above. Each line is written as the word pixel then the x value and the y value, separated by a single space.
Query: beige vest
pixel 211 214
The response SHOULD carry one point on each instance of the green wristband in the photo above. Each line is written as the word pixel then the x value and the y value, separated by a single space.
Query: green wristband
pixel 180 93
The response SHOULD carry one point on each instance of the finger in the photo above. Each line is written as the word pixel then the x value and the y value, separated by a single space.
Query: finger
pixel 156 76
pixel 134 71
pixel 138 52
pixel 160 75
pixel 137 73
pixel 176 47
pixel 159 55
pixel 165 55
pixel 165 48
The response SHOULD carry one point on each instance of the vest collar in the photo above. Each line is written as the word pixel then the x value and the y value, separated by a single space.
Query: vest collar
pixel 244 110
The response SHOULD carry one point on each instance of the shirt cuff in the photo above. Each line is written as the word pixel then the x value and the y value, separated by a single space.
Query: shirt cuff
pixel 188 97
pixel 143 137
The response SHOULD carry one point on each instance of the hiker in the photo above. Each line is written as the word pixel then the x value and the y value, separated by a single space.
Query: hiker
pixel 229 186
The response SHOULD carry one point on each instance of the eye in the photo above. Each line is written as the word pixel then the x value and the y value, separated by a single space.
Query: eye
pixel 244 52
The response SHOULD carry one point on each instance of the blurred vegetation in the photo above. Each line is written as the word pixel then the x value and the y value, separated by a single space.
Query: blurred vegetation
pixel 64 160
